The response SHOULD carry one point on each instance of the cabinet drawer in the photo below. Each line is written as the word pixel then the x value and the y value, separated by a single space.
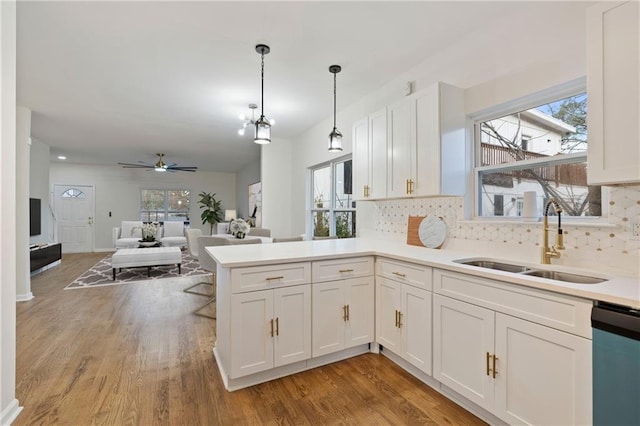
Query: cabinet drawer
pixel 339 269
pixel 561 312
pixel 271 276
pixel 409 273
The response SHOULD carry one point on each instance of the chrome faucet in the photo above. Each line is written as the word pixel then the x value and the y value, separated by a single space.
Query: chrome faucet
pixel 551 252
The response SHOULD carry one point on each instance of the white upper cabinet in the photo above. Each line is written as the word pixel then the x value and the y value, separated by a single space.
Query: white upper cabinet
pixel 370 156
pixel 442 160
pixel 414 147
pixel 613 92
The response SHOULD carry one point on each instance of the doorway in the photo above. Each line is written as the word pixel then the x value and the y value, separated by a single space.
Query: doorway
pixel 74 217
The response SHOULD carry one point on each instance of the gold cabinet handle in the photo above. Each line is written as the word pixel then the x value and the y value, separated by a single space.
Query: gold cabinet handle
pixel 271 321
pixel 495 370
pixel 277 327
pixel 410 186
pixel 275 278
pixel 342 271
pixel 406 186
pixel 344 313
pixel 488 359
pixel 399 319
pixel 347 312
pixel 400 274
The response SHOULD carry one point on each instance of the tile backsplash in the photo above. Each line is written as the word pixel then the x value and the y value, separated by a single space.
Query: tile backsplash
pixel 609 247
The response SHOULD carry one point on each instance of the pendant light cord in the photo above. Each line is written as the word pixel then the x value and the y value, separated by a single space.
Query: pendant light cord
pixel 334 101
pixel 262 86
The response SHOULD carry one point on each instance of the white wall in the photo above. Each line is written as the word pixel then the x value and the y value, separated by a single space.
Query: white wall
pixel 39 188
pixel 23 147
pixel 276 166
pixel 9 407
pixel 245 177
pixel 117 190
pixel 494 65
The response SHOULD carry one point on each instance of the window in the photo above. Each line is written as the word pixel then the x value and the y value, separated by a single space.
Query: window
pixel 160 205
pixel 541 149
pixel 333 211
pixel 73 193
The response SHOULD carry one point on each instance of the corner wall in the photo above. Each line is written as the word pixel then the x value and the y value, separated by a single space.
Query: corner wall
pixel 9 406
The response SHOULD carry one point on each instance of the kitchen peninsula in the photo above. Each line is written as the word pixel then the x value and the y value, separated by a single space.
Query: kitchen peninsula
pixel 284 308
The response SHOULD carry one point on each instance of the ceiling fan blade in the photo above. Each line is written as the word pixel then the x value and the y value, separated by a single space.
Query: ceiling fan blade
pixel 135 166
pixel 183 168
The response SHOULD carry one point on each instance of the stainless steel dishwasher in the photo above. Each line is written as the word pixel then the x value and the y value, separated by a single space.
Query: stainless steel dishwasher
pixel 616 365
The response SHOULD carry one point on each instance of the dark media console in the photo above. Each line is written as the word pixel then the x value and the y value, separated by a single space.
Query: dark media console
pixel 45 255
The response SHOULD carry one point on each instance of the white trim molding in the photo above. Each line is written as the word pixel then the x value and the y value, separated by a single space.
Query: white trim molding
pixel 10 413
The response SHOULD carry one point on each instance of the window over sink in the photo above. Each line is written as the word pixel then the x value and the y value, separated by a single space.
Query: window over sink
pixel 333 211
pixel 541 147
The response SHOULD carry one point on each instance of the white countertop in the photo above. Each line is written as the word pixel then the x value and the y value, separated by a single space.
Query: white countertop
pixel 620 290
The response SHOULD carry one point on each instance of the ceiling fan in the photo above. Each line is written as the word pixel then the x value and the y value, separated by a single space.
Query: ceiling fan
pixel 159 166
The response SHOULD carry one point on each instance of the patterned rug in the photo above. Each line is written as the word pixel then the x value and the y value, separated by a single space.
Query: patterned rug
pixel 101 273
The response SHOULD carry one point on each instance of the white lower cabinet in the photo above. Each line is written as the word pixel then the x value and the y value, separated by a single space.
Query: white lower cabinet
pixel 342 314
pixel 523 372
pixel 403 321
pixel 270 328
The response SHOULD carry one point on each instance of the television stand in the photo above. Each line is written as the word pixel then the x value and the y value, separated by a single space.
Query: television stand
pixel 43 256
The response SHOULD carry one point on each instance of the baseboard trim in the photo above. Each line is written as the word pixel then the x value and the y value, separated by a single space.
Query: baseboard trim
pixel 10 413
pixel 24 297
pixel 104 250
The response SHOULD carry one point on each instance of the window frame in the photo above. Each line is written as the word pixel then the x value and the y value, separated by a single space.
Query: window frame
pixel 552 94
pixel 165 212
pixel 332 209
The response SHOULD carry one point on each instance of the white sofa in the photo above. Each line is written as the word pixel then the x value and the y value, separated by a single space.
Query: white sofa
pixel 170 234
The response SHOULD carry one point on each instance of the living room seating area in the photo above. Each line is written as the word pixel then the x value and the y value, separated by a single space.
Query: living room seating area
pixel 129 234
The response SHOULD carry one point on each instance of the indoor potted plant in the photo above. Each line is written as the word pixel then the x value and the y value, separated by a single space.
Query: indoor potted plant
pixel 212 213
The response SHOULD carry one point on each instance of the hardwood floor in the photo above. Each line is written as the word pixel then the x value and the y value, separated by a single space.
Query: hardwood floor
pixel 134 354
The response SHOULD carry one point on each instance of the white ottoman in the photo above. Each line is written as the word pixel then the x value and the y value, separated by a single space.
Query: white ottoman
pixel 137 257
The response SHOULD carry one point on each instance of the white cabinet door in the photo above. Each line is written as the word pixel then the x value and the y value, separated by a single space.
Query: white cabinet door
pixel 401 148
pixel 328 317
pixel 415 321
pixel 378 154
pixel 463 340
pixel 252 344
pixel 614 90
pixel 361 158
pixel 292 317
pixel 342 314
pixel 426 110
pixel 544 375
pixel 359 295
pixel 388 301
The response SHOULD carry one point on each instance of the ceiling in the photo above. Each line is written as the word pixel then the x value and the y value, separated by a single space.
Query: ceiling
pixel 112 82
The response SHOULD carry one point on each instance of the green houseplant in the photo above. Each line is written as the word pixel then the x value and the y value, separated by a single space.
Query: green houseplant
pixel 212 213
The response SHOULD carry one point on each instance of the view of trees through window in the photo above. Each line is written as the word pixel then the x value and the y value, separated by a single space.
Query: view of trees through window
pixel 160 205
pixel 333 209
pixel 542 149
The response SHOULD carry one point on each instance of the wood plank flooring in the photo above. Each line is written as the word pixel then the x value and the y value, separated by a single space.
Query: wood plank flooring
pixel 134 354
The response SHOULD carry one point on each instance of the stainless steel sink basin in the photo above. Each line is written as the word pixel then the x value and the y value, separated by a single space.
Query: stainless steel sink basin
pixel 499 266
pixel 564 276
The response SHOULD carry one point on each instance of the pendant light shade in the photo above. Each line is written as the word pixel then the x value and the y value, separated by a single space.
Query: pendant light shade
pixel 335 137
pixel 263 127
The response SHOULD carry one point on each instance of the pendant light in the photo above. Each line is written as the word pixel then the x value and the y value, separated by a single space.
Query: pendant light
pixel 335 137
pixel 263 127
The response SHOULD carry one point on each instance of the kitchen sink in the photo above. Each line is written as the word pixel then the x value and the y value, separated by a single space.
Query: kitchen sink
pixel 531 271
pixel 564 276
pixel 490 264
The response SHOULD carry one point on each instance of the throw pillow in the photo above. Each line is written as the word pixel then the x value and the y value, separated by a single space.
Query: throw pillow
pixel 173 229
pixel 127 228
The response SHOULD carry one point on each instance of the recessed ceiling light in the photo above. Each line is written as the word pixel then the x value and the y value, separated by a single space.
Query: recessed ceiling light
pixel 61 157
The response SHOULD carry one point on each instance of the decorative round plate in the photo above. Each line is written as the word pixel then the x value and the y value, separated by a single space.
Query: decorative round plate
pixel 432 232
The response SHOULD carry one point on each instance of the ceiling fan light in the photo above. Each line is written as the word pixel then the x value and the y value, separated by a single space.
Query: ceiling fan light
pixel 263 131
pixel 335 140
pixel 160 169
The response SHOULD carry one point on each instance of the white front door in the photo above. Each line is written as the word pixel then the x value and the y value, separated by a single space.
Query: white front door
pixel 74 210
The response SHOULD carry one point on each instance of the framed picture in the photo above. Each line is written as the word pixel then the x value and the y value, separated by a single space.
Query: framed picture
pixel 255 204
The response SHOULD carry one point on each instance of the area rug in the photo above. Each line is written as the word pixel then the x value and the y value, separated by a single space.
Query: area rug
pixel 101 273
